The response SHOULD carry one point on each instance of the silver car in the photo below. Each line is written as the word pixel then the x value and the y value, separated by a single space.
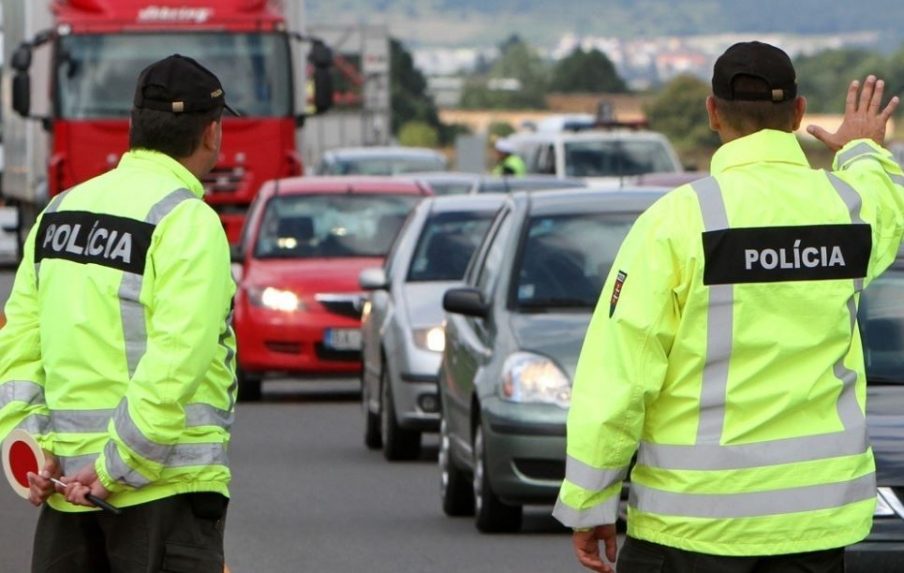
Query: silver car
pixel 401 325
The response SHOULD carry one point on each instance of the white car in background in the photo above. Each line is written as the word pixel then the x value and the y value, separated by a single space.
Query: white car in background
pixel 604 158
pixel 402 321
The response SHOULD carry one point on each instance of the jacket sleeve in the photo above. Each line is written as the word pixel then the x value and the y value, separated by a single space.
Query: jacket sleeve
pixel 187 315
pixel 22 402
pixel 874 174
pixel 621 369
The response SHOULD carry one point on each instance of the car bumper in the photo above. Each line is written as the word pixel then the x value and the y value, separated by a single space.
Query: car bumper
pixel 525 446
pixel 417 401
pixel 270 341
pixel 881 552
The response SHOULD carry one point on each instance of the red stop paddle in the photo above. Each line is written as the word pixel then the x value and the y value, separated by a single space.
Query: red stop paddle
pixel 22 454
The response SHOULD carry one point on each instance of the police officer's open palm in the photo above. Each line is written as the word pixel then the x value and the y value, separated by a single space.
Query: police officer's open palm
pixel 864 118
pixel 587 547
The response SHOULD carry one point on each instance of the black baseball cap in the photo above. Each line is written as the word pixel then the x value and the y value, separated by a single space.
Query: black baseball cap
pixel 179 84
pixel 755 60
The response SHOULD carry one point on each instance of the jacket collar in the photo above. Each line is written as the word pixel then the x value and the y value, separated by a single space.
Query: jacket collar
pixel 766 146
pixel 160 161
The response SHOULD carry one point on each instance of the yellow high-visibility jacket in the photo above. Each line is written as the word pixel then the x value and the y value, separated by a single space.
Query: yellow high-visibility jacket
pixel 724 350
pixel 118 349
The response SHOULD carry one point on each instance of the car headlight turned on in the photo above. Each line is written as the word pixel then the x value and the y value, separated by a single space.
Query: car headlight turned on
pixel 888 503
pixel 275 299
pixel 528 377
pixel 433 338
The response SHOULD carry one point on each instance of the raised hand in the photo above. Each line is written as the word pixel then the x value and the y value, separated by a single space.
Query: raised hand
pixel 863 116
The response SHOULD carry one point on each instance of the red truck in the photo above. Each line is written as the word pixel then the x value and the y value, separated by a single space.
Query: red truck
pixel 80 60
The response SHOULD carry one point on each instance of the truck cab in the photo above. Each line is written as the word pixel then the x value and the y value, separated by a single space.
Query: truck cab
pixel 91 52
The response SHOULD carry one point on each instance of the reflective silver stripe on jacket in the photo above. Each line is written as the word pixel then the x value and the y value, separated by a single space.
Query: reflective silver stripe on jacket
pixel 708 453
pixel 21 391
pixel 753 504
pixel 848 409
pixel 591 517
pixel 72 464
pixel 131 309
pixel 35 424
pixel 591 478
pixel 175 455
pixel 230 356
pixel 118 469
pixel 865 151
pixel 719 325
pixel 81 421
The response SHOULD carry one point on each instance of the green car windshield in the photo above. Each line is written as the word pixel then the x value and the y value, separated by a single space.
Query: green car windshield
pixel 565 259
pixel 881 320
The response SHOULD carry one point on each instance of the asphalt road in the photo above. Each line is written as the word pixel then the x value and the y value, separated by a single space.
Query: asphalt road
pixel 308 496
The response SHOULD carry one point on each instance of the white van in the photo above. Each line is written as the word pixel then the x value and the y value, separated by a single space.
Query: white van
pixel 602 157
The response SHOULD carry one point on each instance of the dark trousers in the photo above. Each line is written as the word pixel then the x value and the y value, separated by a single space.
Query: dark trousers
pixel 638 556
pixel 183 533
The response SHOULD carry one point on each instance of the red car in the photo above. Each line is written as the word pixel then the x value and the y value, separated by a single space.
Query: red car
pixel 305 241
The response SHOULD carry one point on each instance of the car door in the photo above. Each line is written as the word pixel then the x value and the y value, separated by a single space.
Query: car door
pixel 470 342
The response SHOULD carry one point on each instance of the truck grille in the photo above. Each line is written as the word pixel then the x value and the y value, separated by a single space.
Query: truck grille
pixel 223 180
pixel 342 304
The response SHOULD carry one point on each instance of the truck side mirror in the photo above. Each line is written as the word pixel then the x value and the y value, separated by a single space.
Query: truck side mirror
pixel 22 93
pixel 21 59
pixel 321 58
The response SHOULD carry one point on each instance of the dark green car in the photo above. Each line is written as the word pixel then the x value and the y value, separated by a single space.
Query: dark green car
pixel 513 335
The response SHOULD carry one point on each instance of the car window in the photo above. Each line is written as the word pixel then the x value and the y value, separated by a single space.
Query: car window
pixel 564 259
pixel 492 260
pixel 331 225
pixel 385 165
pixel 391 257
pixel 450 187
pixel 446 244
pixel 616 158
pixel 881 320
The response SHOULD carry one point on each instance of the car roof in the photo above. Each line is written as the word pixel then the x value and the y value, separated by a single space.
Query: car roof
pixel 452 203
pixel 590 200
pixel 336 184
pixel 588 135
pixel 382 151
pixel 501 183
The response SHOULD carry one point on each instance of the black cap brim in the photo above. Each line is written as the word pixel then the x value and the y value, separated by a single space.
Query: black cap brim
pixel 231 110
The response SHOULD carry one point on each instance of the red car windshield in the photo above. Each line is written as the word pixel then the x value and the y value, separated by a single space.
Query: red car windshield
pixel 333 225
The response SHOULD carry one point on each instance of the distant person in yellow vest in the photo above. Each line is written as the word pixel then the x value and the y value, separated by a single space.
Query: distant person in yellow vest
pixel 725 353
pixel 507 161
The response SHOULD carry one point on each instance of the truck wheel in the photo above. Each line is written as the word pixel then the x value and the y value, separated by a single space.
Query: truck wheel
pixel 398 443
pixel 493 516
pixel 455 487
pixel 249 386
pixel 372 438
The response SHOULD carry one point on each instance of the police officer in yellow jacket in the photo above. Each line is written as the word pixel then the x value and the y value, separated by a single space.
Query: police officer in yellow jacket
pixel 118 354
pixel 724 350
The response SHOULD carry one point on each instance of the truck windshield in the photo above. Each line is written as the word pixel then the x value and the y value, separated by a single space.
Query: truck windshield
pixel 96 74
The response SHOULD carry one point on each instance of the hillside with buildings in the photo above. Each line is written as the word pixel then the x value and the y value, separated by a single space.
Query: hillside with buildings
pixel 476 23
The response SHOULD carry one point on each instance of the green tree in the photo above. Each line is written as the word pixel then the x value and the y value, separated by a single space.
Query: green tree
pixel 418 134
pixel 679 112
pixel 517 80
pixel 582 71
pixel 409 99
pixel 823 78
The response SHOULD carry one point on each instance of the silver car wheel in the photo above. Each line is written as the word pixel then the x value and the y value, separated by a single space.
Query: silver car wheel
pixel 443 459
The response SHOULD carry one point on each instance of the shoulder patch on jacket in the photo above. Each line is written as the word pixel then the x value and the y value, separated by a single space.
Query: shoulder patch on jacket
pixel 616 291
pixel 94 238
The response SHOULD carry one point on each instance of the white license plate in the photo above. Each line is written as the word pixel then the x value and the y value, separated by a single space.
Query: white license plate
pixel 342 338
